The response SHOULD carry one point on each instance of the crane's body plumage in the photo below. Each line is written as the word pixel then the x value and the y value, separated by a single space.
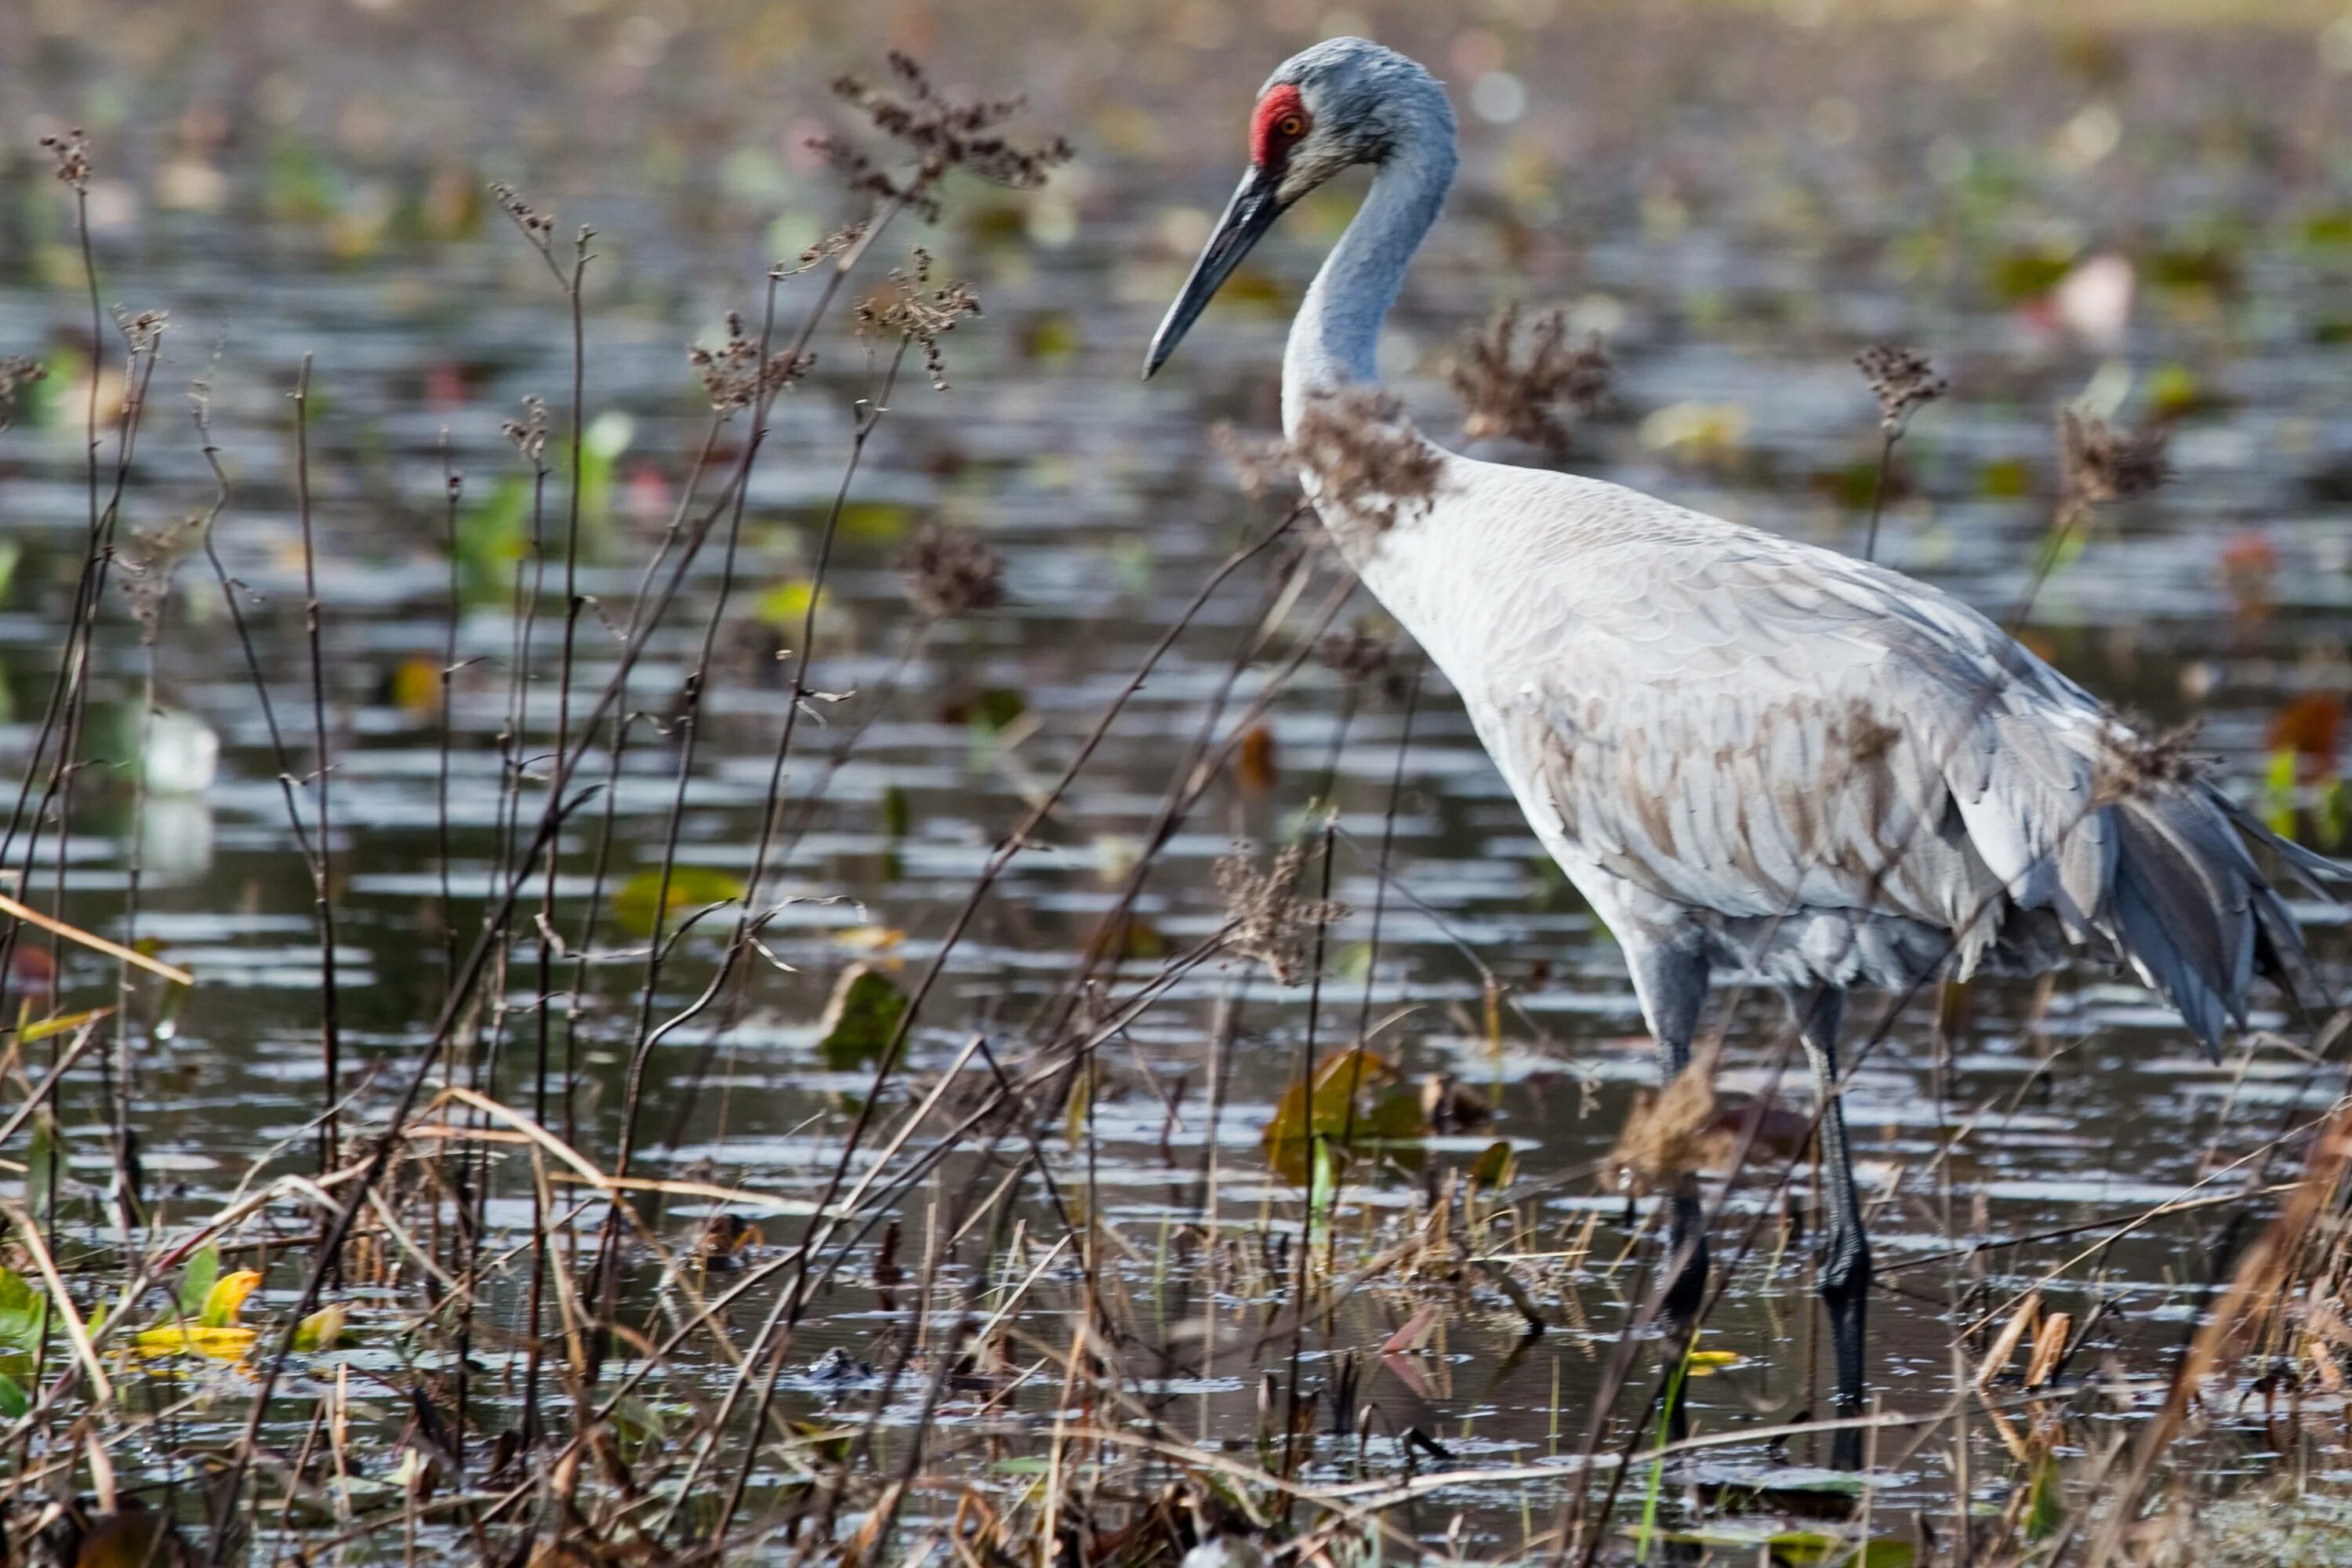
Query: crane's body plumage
pixel 1749 754
pixel 1804 768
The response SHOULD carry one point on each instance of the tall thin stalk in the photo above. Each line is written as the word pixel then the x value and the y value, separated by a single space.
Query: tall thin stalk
pixel 322 863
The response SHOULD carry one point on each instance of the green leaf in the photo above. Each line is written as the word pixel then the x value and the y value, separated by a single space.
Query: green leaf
pixel 34 1033
pixel 492 537
pixel 23 1311
pixel 1496 1166
pixel 641 898
pixel 2278 793
pixel 861 1018
pixel 987 716
pixel 875 522
pixel 2045 1508
pixel 1323 1187
pixel 41 1161
pixel 785 606
pixel 197 1284
pixel 13 1401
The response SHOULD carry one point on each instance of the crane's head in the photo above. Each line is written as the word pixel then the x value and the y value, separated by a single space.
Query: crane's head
pixel 1344 102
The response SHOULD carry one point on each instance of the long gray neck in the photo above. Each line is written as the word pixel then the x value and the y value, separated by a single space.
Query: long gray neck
pixel 1337 329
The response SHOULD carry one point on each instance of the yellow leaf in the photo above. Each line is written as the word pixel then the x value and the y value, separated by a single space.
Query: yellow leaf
pixel 225 1299
pixel 1706 1364
pixel 869 938
pixel 321 1330
pixel 219 1343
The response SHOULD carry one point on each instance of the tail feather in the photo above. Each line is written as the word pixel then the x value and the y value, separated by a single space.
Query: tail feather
pixel 2315 871
pixel 2193 914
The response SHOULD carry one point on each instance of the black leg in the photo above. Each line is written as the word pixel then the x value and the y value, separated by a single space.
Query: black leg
pixel 1845 1250
pixel 1671 981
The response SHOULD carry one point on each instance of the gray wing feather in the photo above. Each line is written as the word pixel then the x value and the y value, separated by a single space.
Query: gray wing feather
pixel 1768 728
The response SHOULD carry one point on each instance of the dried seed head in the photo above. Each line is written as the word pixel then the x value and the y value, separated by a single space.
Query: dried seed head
pixel 2136 762
pixel 1502 396
pixel 837 243
pixel 732 373
pixel 1260 466
pixel 1370 466
pixel 1673 1132
pixel 938 131
pixel 529 433
pixel 538 227
pixel 71 153
pixel 2099 463
pixel 145 332
pixel 950 571
pixel 1269 922
pixel 146 571
pixel 1903 380
pixel 17 371
pixel 918 314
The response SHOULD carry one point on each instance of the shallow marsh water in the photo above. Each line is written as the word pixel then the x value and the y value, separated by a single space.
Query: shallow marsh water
pixel 1732 269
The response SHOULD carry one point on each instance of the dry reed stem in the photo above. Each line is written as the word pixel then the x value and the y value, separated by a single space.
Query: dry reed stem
pixel 95 942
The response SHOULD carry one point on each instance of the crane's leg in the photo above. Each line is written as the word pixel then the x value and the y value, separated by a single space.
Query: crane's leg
pixel 1671 981
pixel 1845 1250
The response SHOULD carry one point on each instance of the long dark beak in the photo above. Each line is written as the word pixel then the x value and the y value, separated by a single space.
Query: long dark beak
pixel 1247 218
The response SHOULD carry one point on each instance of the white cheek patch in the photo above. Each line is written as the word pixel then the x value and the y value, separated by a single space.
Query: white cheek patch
pixel 1312 161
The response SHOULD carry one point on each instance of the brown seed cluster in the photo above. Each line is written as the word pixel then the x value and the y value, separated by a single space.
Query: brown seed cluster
pixel 2098 462
pixel 71 153
pixel 1260 466
pixel 1270 923
pixel 1503 395
pixel 733 375
pixel 1672 1132
pixel 538 226
pixel 950 570
pixel 838 243
pixel 1903 380
pixel 17 371
pixel 919 314
pixel 1372 466
pixel 2136 762
pixel 940 131
pixel 147 567
pixel 529 433
pixel 145 332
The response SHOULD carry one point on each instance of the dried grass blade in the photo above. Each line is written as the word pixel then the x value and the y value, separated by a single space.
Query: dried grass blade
pixel 91 939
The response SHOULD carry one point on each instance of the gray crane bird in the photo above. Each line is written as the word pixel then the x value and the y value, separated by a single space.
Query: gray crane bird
pixel 1750 755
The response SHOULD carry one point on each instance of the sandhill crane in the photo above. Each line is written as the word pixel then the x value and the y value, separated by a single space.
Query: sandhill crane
pixel 1750 755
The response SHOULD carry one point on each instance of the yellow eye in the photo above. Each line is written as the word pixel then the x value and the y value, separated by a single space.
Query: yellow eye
pixel 1289 125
